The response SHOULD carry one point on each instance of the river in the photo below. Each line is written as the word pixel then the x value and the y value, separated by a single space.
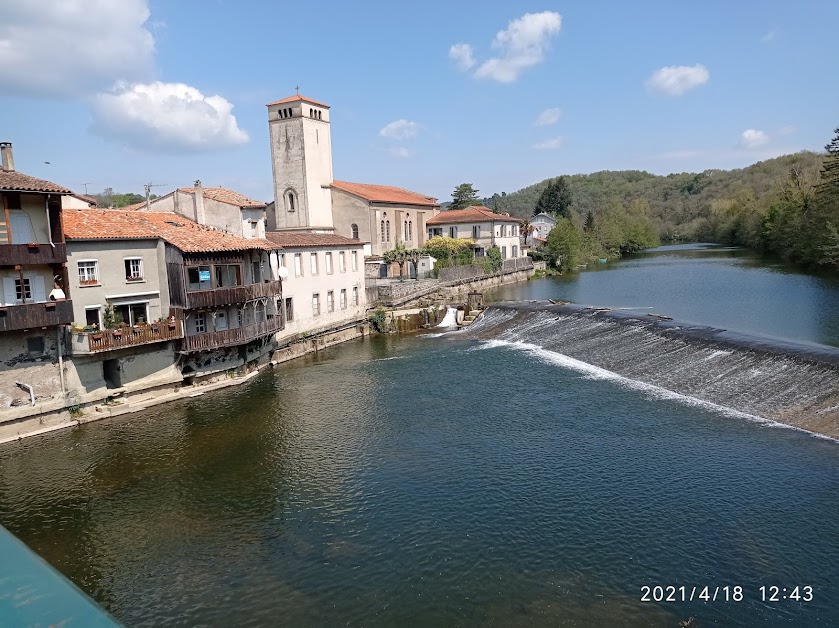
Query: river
pixel 440 480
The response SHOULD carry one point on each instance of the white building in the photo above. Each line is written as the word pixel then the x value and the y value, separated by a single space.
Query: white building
pixel 482 225
pixel 542 224
pixel 324 281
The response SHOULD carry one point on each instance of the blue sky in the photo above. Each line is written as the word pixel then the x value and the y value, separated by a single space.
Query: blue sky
pixel 117 93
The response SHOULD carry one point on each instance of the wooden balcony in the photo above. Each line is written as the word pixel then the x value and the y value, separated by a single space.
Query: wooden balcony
pixel 232 337
pixel 228 296
pixel 24 254
pixel 88 342
pixel 35 315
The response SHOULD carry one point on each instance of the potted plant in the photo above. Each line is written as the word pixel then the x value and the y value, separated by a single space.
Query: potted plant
pixel 33 245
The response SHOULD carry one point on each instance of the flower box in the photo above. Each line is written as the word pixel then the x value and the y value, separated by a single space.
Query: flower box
pixel 117 333
pixel 33 245
pixel 134 278
pixel 88 282
pixel 97 336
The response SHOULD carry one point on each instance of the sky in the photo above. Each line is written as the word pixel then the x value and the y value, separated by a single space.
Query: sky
pixel 423 95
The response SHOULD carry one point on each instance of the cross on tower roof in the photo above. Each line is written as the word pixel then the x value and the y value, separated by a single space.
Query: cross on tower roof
pixel 297 87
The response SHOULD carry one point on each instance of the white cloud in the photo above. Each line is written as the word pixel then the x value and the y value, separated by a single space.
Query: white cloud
pixel 167 116
pixel 551 144
pixel 753 138
pixel 521 46
pixel 462 55
pixel 768 37
pixel 400 129
pixel 400 151
pixel 73 47
pixel 548 117
pixel 675 80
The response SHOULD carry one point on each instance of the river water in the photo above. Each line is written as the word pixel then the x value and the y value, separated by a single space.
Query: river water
pixel 439 480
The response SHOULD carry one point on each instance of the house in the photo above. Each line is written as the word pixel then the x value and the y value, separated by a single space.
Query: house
pixel 217 207
pixel 307 198
pixel 324 286
pixel 382 215
pixel 482 225
pixel 169 285
pixel 77 201
pixel 542 224
pixel 34 302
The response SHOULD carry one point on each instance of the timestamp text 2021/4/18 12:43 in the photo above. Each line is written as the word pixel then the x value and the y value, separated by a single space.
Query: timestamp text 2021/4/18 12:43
pixel 727 593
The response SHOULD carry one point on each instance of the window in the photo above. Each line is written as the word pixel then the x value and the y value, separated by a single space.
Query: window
pixel 198 278
pixel 387 224
pixel 298 264
pixel 88 273
pixel 91 316
pixel 452 232
pixel 503 231
pixel 515 251
pixel 200 323
pixel 314 260
pixel 35 345
pixel 21 224
pixel 383 231
pixel 344 299
pixel 289 309
pixel 329 262
pixel 228 275
pixel 133 268
pixel 316 304
pixel 311 112
pixel 256 268
pixel 410 229
pixel 354 229
pixel 514 230
pixel 355 261
pixel 132 313
pixel 355 295
pixel 342 262
pixel 254 228
pixel 503 252
pixel 435 231
pixel 23 292
pixel 289 201
pixel 405 230
pixel 330 301
pixel 476 231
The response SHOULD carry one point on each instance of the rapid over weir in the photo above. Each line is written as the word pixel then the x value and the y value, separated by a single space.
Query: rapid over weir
pixel 758 377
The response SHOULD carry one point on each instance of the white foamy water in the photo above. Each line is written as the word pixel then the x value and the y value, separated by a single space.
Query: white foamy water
pixel 450 319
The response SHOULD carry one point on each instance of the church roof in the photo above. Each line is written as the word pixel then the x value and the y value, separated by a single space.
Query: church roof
pixel 476 213
pixel 297 98
pixel 294 240
pixel 385 194
pixel 185 234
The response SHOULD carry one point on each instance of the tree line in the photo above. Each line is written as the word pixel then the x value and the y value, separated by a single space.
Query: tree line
pixel 788 206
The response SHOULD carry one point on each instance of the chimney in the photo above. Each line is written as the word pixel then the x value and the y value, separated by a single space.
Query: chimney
pixel 200 216
pixel 8 160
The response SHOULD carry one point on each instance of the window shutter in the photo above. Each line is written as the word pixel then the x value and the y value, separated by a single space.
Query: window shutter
pixel 38 292
pixel 8 290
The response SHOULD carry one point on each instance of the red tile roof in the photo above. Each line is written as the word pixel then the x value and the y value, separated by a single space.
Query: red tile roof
pixel 477 213
pixel 13 181
pixel 296 240
pixel 223 195
pixel 185 234
pixel 385 194
pixel 297 98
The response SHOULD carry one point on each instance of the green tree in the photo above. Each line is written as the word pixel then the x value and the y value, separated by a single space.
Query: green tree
pixel 446 248
pixel 563 245
pixel 589 224
pixel 555 199
pixel 464 195
pixel 399 254
pixel 494 257
pixel 413 256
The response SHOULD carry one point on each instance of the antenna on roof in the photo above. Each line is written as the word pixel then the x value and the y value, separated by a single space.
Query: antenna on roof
pixel 147 187
pixel 86 184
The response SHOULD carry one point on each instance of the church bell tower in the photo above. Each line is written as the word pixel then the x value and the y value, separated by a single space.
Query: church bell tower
pixel 301 156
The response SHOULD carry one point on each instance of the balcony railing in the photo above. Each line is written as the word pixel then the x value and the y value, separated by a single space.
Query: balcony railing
pixel 86 342
pixel 35 315
pixel 36 253
pixel 227 296
pixel 232 337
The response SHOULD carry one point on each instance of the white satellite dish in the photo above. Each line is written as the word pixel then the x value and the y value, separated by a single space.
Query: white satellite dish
pixel 283 272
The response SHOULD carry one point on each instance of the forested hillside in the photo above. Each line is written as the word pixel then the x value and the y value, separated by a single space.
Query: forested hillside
pixel 679 204
pixel 788 206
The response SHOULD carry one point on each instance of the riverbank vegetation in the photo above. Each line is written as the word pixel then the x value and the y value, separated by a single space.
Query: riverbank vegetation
pixel 788 206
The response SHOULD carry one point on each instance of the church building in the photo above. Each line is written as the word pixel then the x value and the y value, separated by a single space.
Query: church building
pixel 308 199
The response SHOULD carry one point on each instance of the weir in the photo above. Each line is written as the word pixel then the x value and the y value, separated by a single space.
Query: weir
pixel 793 383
